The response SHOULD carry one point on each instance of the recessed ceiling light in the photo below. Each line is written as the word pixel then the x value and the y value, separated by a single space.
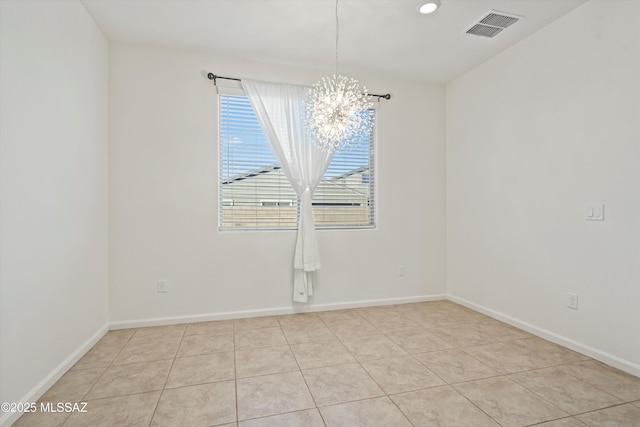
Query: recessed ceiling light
pixel 429 7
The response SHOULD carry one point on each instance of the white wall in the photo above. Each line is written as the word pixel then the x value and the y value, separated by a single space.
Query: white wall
pixel 53 133
pixel 533 136
pixel 163 198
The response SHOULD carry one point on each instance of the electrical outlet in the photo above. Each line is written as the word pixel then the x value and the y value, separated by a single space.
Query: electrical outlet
pixel 162 286
pixel 402 270
pixel 573 300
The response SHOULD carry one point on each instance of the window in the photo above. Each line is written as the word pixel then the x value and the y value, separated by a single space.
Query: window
pixel 255 194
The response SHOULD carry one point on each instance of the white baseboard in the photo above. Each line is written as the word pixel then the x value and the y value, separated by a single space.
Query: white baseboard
pixel 35 393
pixel 592 352
pixel 139 323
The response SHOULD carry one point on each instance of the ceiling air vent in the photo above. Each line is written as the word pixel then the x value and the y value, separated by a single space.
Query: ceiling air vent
pixel 492 23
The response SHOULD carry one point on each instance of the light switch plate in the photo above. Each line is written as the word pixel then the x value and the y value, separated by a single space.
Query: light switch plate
pixel 573 300
pixel 595 212
pixel 162 286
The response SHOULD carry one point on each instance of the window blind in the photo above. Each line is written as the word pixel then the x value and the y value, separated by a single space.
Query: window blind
pixel 254 192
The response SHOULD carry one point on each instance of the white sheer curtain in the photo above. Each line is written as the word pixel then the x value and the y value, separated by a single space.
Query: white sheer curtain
pixel 280 111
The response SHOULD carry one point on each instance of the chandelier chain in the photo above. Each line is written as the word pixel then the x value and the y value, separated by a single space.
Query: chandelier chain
pixel 337 36
pixel 337 109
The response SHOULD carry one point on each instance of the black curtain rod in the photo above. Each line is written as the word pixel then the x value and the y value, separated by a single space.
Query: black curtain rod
pixel 215 77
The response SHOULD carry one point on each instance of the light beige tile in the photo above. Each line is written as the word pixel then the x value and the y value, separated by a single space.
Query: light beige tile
pixel 341 383
pixel 614 381
pixel 441 407
pixel 395 323
pixel 300 320
pixel 508 403
pixel 365 413
pixel 307 418
pixel 129 379
pixel 445 317
pixel 551 353
pixel 299 335
pixel 73 386
pixel 134 410
pixel 198 405
pixel 215 327
pixel 373 347
pixel 201 369
pixel 148 350
pixel 316 355
pixel 456 366
pixel 337 315
pixel 345 391
pixel 197 345
pixel 42 419
pixel 255 323
pixel 254 338
pixel 401 307
pixel 271 395
pixel 117 338
pixel 564 422
pixel 468 333
pixel 468 313
pixel 507 357
pixel 565 391
pixel 419 342
pixel 264 360
pixel 434 320
pixel 400 374
pixel 387 311
pixel 497 331
pixel 462 334
pixel 458 309
pixel 619 416
pixel 156 332
pixel 420 315
pixel 351 328
pixel 100 356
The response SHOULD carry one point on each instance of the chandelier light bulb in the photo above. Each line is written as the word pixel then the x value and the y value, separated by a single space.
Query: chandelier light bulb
pixel 336 112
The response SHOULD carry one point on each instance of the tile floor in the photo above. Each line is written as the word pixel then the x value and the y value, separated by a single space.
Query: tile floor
pixel 423 364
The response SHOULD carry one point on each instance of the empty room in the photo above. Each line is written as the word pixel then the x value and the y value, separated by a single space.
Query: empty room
pixel 308 213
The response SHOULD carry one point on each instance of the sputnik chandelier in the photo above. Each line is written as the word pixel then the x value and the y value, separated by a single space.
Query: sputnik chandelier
pixel 336 109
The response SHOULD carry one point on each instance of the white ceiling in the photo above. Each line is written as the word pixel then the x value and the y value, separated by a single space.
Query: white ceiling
pixel 386 36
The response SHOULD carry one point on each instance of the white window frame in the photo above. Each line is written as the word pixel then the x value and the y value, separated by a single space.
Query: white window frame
pixel 373 192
